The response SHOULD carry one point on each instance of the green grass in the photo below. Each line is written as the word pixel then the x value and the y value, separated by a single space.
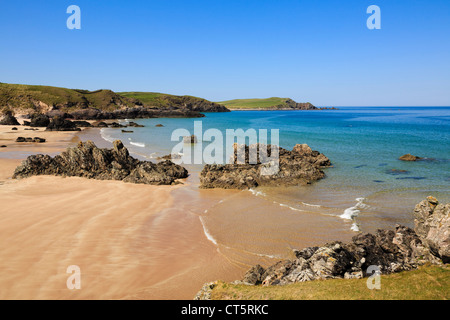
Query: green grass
pixel 157 99
pixel 18 96
pixel 426 283
pixel 254 103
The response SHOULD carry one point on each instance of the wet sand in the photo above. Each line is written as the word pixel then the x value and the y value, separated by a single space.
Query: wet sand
pixel 136 241
pixel 130 241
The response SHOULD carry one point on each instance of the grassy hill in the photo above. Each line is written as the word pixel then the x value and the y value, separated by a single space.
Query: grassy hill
pixel 273 103
pixel 253 103
pixel 426 283
pixel 163 100
pixel 28 98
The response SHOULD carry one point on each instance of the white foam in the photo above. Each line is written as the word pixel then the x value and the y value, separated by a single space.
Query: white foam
pixel 286 206
pixel 105 136
pixel 206 232
pixel 256 193
pixel 352 212
pixel 138 144
pixel 311 205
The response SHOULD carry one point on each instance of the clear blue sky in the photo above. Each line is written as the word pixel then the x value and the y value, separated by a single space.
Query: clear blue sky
pixel 317 51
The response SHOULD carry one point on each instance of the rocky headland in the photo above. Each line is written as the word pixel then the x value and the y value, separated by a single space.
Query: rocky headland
pixel 300 166
pixel 391 251
pixel 88 161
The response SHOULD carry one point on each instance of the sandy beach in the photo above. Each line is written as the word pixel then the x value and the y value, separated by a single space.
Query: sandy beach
pixel 130 241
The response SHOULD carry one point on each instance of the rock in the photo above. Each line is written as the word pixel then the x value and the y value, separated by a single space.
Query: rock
pixel 391 250
pixel 39 120
pixel 86 160
pixel 190 139
pixel 100 124
pixel 135 125
pixel 159 125
pixel 39 140
pixel 82 124
pixel 116 125
pixel 29 139
pixel 9 119
pixel 432 224
pixel 172 156
pixel 254 276
pixel 60 124
pixel 127 131
pixel 409 157
pixel 3 146
pixel 26 123
pixel 14 129
pixel 205 291
pixel 297 167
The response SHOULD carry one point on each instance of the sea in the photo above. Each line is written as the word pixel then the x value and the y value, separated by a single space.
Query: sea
pixel 366 188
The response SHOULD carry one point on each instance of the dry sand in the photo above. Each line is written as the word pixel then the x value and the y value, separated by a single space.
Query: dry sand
pixel 129 241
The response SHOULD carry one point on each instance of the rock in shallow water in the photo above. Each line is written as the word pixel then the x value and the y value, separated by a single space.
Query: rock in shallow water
pixel 86 160
pixel 249 168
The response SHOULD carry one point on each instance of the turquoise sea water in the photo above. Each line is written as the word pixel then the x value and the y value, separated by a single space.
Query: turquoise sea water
pixel 367 184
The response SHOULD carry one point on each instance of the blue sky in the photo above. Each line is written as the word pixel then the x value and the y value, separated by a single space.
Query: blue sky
pixel 317 51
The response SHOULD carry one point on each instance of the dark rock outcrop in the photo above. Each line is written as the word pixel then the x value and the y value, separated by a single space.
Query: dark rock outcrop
pixel 300 166
pixel 9 120
pixel 28 139
pixel 61 124
pixel 39 120
pixel 391 250
pixel 86 160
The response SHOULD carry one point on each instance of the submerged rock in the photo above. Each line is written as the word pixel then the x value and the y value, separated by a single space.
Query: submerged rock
pixel 409 157
pixel 86 160
pixel 300 166
pixel 190 139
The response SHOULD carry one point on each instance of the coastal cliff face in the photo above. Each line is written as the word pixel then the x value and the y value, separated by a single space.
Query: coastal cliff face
pixel 392 251
pixel 302 165
pixel 100 104
pixel 88 161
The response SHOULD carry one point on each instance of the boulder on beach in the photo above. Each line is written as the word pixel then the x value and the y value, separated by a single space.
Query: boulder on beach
pixel 409 157
pixel 159 125
pixel 39 120
pixel 9 119
pixel 86 160
pixel 29 139
pixel 60 124
pixel 250 167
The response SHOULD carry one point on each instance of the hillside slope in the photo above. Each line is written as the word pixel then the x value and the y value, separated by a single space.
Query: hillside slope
pixel 99 104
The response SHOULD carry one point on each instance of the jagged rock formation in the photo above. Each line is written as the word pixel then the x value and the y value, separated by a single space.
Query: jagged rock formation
pixel 86 160
pixel 432 225
pixel 9 120
pixel 391 250
pixel 302 165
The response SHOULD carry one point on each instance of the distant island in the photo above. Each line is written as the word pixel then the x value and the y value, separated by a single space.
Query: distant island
pixel 273 103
